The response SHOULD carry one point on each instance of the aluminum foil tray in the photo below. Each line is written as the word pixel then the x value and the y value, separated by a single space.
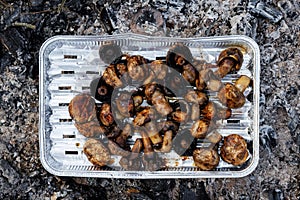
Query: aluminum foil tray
pixel 69 63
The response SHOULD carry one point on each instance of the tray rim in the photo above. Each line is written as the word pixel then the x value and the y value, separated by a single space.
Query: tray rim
pixel 153 174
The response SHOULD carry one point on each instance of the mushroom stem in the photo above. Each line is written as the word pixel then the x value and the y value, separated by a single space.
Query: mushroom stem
pixel 167 142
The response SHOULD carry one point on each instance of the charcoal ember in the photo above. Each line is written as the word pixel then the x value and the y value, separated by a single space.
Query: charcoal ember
pixel 13 40
pixel 106 20
pixel 275 194
pixel 268 137
pixel 262 9
pixel 147 21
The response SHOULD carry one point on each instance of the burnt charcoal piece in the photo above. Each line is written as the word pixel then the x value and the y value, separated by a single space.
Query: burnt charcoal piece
pixel 147 21
pixel 100 90
pixel 109 52
pixel 260 8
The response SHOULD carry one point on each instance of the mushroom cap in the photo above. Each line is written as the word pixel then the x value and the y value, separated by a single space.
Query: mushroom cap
pixel 233 53
pixel 234 150
pixel 231 97
pixel 178 50
pixel 206 159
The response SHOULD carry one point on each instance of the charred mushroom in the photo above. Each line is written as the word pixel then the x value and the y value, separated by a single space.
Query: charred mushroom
pixel 106 116
pixel 229 60
pixel 200 128
pixel 206 159
pixel 234 150
pixel 179 55
pixel 96 152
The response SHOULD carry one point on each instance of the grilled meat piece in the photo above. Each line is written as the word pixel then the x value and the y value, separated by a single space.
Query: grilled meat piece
pixel 91 128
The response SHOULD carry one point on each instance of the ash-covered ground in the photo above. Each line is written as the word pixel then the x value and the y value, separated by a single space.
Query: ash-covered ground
pixel 274 25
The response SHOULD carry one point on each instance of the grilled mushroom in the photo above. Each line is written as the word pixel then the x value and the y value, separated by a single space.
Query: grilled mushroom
pixel 196 97
pixel 234 150
pixel 101 90
pixel 229 60
pixel 167 142
pixel 109 52
pixel 136 67
pixel 179 55
pixel 106 116
pixel 136 148
pixel 121 140
pixel 231 97
pixel 206 159
pixel 200 128
pixel 96 152
pixel 111 78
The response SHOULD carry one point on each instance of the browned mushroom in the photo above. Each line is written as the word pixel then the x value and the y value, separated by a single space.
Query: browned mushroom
pixel 234 149
pixel 230 59
pixel 121 140
pixel 96 152
pixel 179 55
pixel 106 116
pixel 189 73
pixel 136 67
pixel 109 52
pixel 196 97
pixel 195 112
pixel 101 90
pixel 160 103
pixel 143 116
pixel 148 149
pixel 115 149
pixel 242 83
pixel 206 159
pixel 179 116
pixel 209 111
pixel 124 104
pixel 136 148
pixel 211 81
pixel 153 133
pixel 111 78
pixel 167 142
pixel 231 97
pixel 214 137
pixel 200 128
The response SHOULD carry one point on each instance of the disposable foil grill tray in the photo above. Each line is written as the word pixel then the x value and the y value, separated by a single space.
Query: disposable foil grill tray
pixel 68 64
